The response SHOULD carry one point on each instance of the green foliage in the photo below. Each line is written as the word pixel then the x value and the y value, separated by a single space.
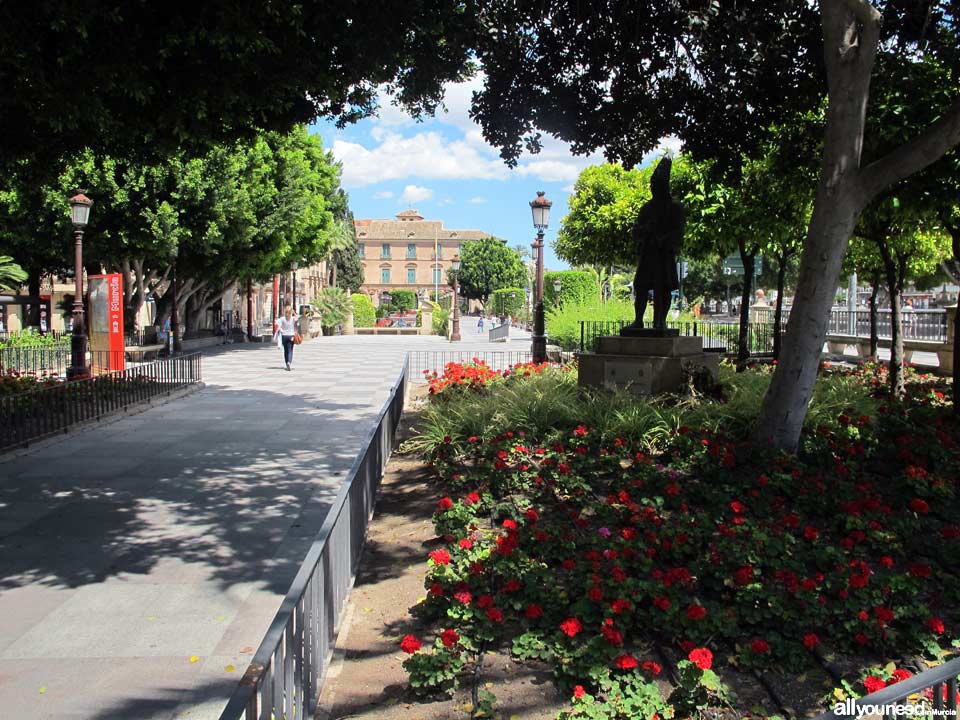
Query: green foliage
pixel 440 317
pixel 11 274
pixel 333 304
pixel 563 322
pixel 508 301
pixel 248 67
pixel 403 300
pixel 364 314
pixel 604 205
pixel 576 287
pixel 434 672
pixel 487 265
pixel 30 338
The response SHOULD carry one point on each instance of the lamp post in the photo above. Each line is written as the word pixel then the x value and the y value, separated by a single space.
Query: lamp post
pixel 79 215
pixel 540 207
pixel 175 311
pixel 455 264
pixel 557 285
pixel 293 284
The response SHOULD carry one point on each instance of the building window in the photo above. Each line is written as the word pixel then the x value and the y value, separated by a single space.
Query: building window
pixel 385 251
pixel 439 252
pixel 411 251
pixel 360 250
pixel 385 276
pixel 437 273
pixel 411 277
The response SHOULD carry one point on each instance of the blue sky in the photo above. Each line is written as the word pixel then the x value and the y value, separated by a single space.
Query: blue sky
pixel 445 169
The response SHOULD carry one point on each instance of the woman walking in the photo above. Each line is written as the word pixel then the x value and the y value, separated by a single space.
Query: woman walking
pixel 287 329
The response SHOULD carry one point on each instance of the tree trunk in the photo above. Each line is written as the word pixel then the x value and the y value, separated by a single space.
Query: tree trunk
pixel 874 332
pixel 743 349
pixel 778 311
pixel 33 289
pixel 894 286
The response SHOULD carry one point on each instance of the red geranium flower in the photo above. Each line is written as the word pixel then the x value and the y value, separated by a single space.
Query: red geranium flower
pixel 701 657
pixel 449 638
pixel 662 603
pixel 810 641
pixel 466 543
pixel 463 596
pixel 743 576
pixel 410 644
pixel 873 684
pixel 936 625
pixel 626 662
pixel 759 645
pixel 696 612
pixel 485 601
pixel 919 506
pixel 651 667
pixel 495 615
pixel 920 570
pixel 571 626
pixel 445 503
pixel 440 557
pixel 436 590
pixel 578 691
pixel 900 674
pixel 533 611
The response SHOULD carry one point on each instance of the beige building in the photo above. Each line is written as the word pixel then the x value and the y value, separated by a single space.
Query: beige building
pixel 408 253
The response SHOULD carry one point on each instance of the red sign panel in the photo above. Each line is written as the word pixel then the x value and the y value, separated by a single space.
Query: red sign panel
pixel 106 317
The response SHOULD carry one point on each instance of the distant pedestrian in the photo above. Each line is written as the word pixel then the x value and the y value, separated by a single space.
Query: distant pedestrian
pixel 286 332
pixel 480 325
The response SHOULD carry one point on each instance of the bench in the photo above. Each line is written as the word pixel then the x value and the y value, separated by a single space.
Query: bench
pixel 141 353
pixel 837 344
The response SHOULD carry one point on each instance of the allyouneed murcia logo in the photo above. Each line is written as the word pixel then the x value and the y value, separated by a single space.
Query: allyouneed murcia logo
pixel 849 708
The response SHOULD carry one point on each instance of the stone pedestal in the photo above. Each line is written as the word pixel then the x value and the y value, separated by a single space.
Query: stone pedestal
pixel 645 365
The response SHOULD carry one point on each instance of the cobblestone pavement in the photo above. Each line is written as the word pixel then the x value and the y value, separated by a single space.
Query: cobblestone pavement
pixel 141 560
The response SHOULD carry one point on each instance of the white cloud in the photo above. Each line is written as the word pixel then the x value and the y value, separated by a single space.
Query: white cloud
pixel 478 200
pixel 383 195
pixel 414 193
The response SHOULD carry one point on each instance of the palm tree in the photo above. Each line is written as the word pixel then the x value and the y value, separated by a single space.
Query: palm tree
pixel 342 238
pixel 11 274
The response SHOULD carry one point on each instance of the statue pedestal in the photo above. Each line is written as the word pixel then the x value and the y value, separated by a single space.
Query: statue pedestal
pixel 647 364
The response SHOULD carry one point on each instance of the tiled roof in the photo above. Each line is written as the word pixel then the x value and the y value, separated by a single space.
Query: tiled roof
pixel 412 230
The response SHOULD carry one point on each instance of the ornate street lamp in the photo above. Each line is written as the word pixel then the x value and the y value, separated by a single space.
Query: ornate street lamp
pixel 541 220
pixel 175 311
pixel 455 264
pixel 293 284
pixel 557 285
pixel 80 216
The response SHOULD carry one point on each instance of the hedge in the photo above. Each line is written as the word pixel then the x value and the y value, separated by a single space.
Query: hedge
pixel 507 301
pixel 576 287
pixel 364 314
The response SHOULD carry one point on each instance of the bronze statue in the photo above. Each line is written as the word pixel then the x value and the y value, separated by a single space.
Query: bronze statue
pixel 658 233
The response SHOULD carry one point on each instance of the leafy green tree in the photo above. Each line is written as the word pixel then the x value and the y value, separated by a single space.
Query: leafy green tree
pixel 621 77
pixel 487 265
pixel 364 314
pixel 334 305
pixel 403 300
pixel 133 79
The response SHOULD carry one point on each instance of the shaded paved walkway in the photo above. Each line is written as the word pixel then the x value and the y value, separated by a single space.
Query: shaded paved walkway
pixel 141 561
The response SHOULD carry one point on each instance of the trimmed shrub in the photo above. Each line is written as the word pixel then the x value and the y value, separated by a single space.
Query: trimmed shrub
pixel 440 317
pixel 508 301
pixel 403 300
pixel 576 287
pixel 364 314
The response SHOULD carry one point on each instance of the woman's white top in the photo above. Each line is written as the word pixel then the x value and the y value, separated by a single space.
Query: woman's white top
pixel 287 326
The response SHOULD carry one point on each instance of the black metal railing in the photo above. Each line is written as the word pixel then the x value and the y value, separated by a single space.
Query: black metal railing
pixel 286 673
pixel 716 336
pixel 917 324
pixel 420 362
pixel 53 409
pixel 934 689
pixel 39 360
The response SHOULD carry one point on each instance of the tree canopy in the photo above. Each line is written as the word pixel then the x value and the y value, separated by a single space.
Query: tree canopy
pixel 487 265
pixel 138 77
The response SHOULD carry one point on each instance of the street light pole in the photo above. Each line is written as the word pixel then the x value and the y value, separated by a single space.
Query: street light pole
pixel 455 336
pixel 541 216
pixel 175 312
pixel 80 216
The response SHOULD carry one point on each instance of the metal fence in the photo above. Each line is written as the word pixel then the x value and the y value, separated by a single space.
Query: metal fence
pixel 420 362
pixel 936 687
pixel 917 324
pixel 40 360
pixel 716 335
pixel 34 415
pixel 285 676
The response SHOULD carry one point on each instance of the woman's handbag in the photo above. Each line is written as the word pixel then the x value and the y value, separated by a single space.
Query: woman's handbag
pixel 297 339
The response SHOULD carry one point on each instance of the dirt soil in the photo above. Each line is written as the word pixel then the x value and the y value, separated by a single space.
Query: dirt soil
pixel 366 679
